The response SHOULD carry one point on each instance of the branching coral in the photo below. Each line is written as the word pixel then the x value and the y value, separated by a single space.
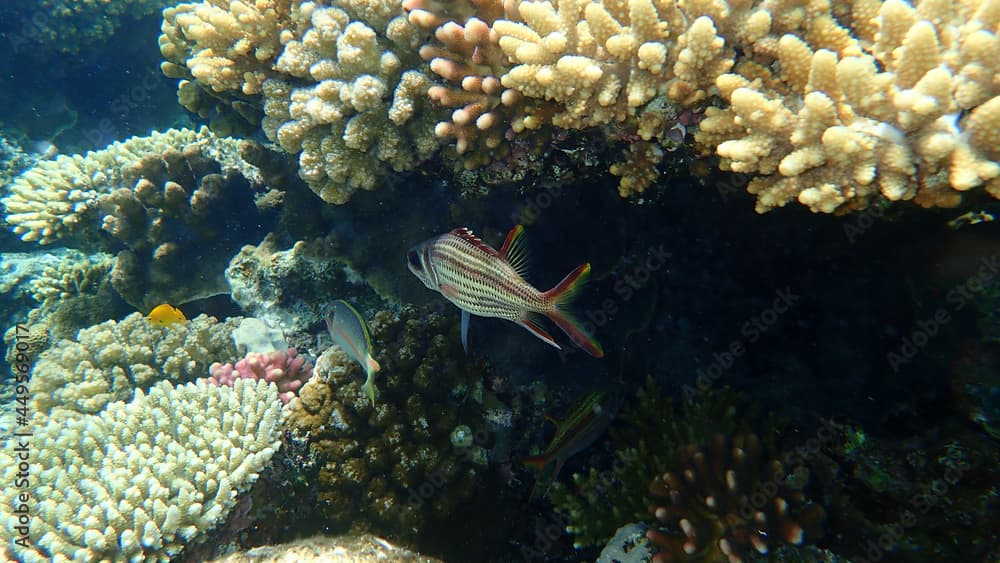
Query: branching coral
pixel 351 97
pixel 141 479
pixel 467 54
pixel 223 51
pixel 341 85
pixel 286 369
pixel 722 501
pixel 906 108
pixel 107 362
pixel 391 466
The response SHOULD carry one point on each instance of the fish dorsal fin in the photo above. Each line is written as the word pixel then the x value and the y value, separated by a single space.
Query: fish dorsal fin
pixel 515 251
pixel 467 235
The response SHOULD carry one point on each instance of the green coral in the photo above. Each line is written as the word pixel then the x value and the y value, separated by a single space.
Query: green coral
pixel 646 435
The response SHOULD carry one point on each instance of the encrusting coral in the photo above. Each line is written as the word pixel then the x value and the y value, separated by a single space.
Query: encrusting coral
pixel 292 288
pixel 140 479
pixel 107 362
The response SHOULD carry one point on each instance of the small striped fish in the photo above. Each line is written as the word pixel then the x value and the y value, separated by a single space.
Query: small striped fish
pixel 489 283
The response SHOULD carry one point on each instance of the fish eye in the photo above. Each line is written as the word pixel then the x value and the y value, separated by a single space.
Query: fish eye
pixel 414 260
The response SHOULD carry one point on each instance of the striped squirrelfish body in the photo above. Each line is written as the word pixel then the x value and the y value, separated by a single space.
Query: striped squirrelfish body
pixel 489 283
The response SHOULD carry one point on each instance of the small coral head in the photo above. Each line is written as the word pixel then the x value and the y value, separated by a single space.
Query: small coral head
pixel 725 501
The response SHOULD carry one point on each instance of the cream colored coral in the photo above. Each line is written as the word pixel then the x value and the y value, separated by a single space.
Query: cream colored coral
pixel 844 122
pixel 75 275
pixel 140 480
pixel 351 99
pixel 107 362
pixel 57 197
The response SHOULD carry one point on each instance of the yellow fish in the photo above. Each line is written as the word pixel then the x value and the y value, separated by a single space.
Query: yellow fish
pixel 166 315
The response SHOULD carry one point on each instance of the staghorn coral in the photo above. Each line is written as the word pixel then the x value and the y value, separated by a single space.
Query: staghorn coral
pixel 725 500
pixel 107 362
pixel 286 369
pixel 351 97
pixel 905 108
pixel 391 467
pixel 141 479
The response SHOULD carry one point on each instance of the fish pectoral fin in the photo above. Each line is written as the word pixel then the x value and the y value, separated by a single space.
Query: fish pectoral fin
pixel 553 419
pixel 538 331
pixel 465 331
pixel 448 290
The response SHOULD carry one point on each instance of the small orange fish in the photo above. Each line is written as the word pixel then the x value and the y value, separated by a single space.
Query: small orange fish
pixel 166 315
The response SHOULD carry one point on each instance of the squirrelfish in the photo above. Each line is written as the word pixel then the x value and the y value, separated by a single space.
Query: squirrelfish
pixel 581 426
pixel 350 332
pixel 489 283
pixel 165 315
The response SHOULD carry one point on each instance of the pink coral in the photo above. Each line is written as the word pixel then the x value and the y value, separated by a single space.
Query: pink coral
pixel 287 370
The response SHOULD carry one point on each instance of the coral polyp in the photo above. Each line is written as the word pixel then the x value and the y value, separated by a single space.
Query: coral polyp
pixel 727 500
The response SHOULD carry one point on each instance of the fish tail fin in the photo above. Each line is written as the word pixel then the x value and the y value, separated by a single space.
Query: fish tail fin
pixel 536 462
pixel 369 389
pixel 371 365
pixel 565 291
pixel 561 295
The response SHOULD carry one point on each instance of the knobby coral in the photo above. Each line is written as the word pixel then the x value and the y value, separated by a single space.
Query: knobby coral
pixel 391 466
pixel 340 85
pixel 286 369
pixel 109 361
